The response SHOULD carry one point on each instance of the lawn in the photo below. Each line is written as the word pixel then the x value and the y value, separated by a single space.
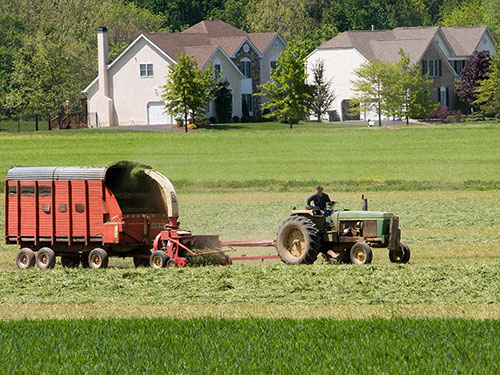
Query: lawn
pixel 271 156
pixel 250 346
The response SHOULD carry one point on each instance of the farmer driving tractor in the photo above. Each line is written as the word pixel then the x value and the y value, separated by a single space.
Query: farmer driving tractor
pixel 319 199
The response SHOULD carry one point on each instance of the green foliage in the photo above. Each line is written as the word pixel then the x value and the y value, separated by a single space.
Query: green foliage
pixel 488 92
pixel 287 91
pixel 55 54
pixel 372 88
pixel 393 90
pixel 188 88
pixel 223 102
pixel 322 95
pixel 251 346
pixel 233 12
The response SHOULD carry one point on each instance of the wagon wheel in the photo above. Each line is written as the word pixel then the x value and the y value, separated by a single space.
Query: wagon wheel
pixel 45 258
pixel 98 258
pixel 158 259
pixel 401 256
pixel 25 258
pixel 298 241
pixel 361 253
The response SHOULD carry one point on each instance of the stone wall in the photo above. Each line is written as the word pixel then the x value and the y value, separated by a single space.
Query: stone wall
pixel 254 58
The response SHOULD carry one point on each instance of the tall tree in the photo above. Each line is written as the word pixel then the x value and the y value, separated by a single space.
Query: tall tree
pixel 287 91
pixel 233 12
pixel 475 70
pixel 372 88
pixel 188 88
pixel 223 102
pixel 322 95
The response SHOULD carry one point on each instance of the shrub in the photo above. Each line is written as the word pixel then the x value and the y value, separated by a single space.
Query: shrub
pixel 442 112
pixel 203 123
pixel 458 115
pixel 450 118
pixel 236 119
pixel 213 120
pixel 192 126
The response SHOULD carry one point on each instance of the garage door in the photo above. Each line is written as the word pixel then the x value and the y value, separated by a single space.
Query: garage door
pixel 157 115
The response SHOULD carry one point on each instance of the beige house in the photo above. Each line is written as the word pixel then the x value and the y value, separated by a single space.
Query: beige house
pixel 441 51
pixel 128 91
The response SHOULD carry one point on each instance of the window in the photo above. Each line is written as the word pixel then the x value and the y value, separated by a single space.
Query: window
pixel 431 67
pixel 459 65
pixel 28 190
pixel 246 99
pixel 246 68
pixel 443 96
pixel 146 70
pixel 44 191
pixel 12 190
pixel 273 64
pixel 217 70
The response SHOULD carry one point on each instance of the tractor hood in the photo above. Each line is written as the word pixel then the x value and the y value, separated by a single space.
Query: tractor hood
pixel 347 215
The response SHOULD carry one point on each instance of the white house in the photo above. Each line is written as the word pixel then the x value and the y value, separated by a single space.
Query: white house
pixel 128 91
pixel 441 51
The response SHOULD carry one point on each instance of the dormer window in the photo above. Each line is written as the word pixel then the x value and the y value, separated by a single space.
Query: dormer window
pixel 146 70
pixel 217 69
pixel 246 67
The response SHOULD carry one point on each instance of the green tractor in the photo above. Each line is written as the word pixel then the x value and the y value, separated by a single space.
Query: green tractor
pixel 340 236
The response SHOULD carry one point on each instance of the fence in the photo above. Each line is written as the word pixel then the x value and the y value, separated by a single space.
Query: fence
pixel 32 123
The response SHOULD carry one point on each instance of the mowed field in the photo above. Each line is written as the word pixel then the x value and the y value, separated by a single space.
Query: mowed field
pixel 240 181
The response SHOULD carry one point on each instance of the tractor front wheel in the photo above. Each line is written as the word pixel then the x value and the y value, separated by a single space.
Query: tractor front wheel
pixel 401 256
pixel 298 241
pixel 158 259
pixel 361 253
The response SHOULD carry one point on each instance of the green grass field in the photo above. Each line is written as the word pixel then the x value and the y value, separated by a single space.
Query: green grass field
pixel 250 346
pixel 240 181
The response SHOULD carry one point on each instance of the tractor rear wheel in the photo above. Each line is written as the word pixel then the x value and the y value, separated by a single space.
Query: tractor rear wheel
pixel 158 259
pixel 98 258
pixel 401 256
pixel 45 258
pixel 361 253
pixel 70 262
pixel 298 241
pixel 25 258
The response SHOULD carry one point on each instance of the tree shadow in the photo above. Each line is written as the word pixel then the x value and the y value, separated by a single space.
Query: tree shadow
pixel 225 127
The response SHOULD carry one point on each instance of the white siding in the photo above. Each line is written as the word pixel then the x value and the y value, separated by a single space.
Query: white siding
pixel 339 65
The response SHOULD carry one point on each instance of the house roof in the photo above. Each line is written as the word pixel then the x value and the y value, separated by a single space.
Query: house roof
pixel 386 44
pixel 464 40
pixel 202 39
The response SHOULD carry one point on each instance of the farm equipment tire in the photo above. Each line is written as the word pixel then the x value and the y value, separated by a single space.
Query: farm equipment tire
pixel 142 261
pixel 158 259
pixel 45 258
pixel 172 263
pixel 98 258
pixel 25 258
pixel 70 262
pixel 298 241
pixel 361 253
pixel 401 256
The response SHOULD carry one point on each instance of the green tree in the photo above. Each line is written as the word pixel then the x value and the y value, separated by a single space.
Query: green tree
pixel 322 95
pixel 373 88
pixel 233 12
pixel 56 55
pixel 488 92
pixel 188 88
pixel 409 90
pixel 223 102
pixel 287 91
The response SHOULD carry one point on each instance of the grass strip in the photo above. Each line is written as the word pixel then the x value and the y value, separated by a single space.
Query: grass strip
pixel 247 346
pixel 275 284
